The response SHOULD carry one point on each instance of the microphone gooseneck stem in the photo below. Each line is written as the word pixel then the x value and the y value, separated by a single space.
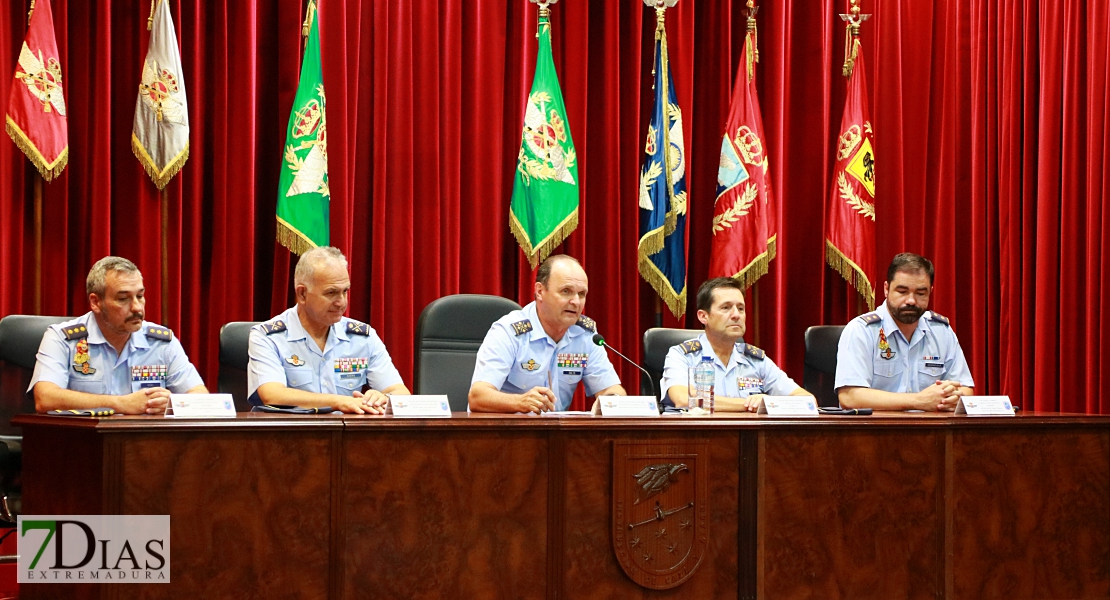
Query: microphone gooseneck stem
pixel 651 384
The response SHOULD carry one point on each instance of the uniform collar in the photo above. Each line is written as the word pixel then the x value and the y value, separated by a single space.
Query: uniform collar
pixel 734 358
pixel 96 336
pixel 538 332
pixel 890 325
pixel 295 330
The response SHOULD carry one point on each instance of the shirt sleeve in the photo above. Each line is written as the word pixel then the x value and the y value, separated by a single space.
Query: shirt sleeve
pixel 775 381
pixel 853 357
pixel 181 375
pixel 52 360
pixel 959 370
pixel 495 357
pixel 381 372
pixel 599 373
pixel 263 364
pixel 675 372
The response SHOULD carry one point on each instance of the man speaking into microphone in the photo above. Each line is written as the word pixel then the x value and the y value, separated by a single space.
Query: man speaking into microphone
pixel 532 359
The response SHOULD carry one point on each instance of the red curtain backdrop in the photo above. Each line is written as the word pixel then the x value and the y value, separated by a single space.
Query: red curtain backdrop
pixel 991 125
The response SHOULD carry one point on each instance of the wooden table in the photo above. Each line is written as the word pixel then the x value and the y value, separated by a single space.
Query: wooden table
pixel 489 506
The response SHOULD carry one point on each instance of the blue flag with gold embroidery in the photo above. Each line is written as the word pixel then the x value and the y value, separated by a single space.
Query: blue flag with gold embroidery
pixel 662 247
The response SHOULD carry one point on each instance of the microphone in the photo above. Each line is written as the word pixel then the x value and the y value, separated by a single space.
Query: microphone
pixel 600 341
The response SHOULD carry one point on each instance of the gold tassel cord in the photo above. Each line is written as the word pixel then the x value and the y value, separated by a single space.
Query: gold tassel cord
pixel 851 272
pixel 851 50
pixel 48 170
pixel 150 19
pixel 30 12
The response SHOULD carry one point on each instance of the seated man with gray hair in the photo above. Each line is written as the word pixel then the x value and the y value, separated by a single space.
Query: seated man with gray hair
pixel 311 356
pixel 110 357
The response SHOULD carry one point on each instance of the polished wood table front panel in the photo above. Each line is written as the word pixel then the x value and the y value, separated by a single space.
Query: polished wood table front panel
pixel 505 506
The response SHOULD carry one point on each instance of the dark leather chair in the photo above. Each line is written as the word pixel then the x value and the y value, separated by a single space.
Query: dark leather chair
pixel 234 339
pixel 448 335
pixel 657 341
pixel 20 336
pixel 820 365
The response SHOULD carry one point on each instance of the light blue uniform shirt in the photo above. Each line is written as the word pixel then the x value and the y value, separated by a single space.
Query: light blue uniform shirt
pixel 749 371
pixel 281 351
pixel 518 355
pixel 932 353
pixel 152 357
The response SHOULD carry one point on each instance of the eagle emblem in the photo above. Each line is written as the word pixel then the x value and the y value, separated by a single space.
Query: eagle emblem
pixel 43 78
pixel 660 516
pixel 159 89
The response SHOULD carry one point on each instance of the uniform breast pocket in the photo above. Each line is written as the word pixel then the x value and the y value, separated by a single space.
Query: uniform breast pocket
pixel 929 372
pixel 88 384
pixel 570 377
pixel 525 380
pixel 346 384
pixel 298 377
pixel 885 369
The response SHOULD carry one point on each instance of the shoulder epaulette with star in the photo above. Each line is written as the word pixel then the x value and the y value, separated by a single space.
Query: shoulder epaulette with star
pixel 587 323
pixel 522 327
pixel 871 318
pixel 274 327
pixel 75 332
pixel 157 332
pixel 690 346
pixel 943 320
pixel 358 327
pixel 754 352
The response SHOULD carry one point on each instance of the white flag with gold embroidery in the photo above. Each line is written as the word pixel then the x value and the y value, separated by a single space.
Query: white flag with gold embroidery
pixel 160 135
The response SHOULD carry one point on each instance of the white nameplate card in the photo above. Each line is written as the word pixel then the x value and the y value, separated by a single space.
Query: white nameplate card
pixel 628 406
pixel 420 406
pixel 788 406
pixel 201 406
pixel 985 405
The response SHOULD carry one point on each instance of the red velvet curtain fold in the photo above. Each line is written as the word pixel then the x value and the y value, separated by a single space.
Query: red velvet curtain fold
pixel 991 128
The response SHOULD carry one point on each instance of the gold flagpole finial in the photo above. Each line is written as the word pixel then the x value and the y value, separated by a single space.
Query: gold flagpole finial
pixel 851 44
pixel 660 7
pixel 545 10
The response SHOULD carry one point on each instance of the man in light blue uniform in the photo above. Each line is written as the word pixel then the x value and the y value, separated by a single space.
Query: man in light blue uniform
pixel 532 359
pixel 744 373
pixel 110 357
pixel 311 356
pixel 901 356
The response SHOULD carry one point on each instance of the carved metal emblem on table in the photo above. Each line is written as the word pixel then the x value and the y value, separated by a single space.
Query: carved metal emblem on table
pixel 660 510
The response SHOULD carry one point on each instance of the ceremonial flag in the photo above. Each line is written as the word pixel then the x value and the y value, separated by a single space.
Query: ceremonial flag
pixel 744 220
pixel 850 215
pixel 36 119
pixel 662 247
pixel 160 134
pixel 544 207
pixel 303 192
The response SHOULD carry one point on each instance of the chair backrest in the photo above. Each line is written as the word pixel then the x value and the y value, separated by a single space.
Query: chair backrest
pixel 448 335
pixel 234 338
pixel 820 365
pixel 20 336
pixel 657 341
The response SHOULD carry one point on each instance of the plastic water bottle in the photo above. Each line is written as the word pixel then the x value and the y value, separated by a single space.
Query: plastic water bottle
pixel 705 375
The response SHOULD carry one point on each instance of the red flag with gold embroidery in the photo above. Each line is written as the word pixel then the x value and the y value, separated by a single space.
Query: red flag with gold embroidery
pixel 744 221
pixel 36 119
pixel 850 213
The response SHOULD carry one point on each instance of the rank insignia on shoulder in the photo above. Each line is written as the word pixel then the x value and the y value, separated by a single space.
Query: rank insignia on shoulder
pixel 754 352
pixel 943 320
pixel 871 318
pixel 358 328
pixel 159 333
pixel 522 327
pixel 295 360
pixel 75 332
pixel 531 365
pixel 587 323
pixel 690 346
pixel 273 327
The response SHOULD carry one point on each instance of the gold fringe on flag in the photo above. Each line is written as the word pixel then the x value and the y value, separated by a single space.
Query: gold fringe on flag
pixel 675 301
pixel 759 266
pixel 851 272
pixel 288 236
pixel 47 170
pixel 543 249
pixel 161 177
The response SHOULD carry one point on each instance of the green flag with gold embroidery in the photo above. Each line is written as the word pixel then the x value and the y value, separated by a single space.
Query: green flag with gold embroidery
pixel 303 195
pixel 544 207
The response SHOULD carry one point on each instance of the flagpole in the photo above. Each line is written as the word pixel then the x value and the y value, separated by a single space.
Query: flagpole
pixel 165 202
pixel 37 177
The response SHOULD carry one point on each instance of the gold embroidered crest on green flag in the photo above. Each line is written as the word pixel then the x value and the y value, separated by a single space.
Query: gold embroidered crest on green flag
pixel 544 206
pixel 303 193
